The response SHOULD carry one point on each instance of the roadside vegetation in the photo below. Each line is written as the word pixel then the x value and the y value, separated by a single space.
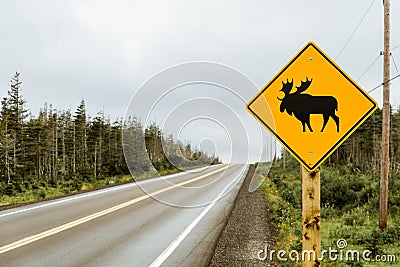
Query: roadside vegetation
pixel 59 152
pixel 349 210
pixel 349 198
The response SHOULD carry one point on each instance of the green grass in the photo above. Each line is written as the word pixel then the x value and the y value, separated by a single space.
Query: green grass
pixel 41 191
pixel 363 236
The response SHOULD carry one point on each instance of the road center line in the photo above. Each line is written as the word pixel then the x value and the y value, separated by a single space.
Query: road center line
pixel 174 244
pixel 33 238
pixel 97 192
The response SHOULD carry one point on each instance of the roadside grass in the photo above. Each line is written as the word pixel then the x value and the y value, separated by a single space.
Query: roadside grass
pixel 37 191
pixel 349 211
pixel 41 191
pixel 283 216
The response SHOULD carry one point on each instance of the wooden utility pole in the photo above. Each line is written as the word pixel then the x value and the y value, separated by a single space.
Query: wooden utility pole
pixel 311 217
pixel 383 203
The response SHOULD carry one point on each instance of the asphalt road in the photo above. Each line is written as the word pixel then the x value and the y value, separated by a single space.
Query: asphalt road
pixel 177 224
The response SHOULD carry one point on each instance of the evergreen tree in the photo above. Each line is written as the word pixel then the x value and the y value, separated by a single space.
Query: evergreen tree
pixel 6 142
pixel 14 114
pixel 80 140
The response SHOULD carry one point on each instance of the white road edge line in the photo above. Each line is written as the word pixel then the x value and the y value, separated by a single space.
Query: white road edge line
pixel 36 237
pixel 90 194
pixel 174 244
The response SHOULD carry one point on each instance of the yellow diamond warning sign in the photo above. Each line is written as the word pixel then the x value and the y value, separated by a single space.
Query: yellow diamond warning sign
pixel 311 106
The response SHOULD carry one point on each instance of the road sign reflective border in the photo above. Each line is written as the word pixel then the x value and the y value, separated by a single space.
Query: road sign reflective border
pixel 336 106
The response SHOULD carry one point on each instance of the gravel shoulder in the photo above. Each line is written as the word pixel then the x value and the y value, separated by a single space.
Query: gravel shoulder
pixel 247 230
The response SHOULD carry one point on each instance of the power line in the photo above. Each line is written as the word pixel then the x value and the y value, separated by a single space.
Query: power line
pixel 373 89
pixel 394 63
pixel 397 46
pixel 352 34
pixel 370 66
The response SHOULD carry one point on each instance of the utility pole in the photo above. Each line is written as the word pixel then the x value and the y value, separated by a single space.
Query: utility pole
pixel 383 203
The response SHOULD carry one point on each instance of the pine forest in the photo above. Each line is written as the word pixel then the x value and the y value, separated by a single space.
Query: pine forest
pixel 67 151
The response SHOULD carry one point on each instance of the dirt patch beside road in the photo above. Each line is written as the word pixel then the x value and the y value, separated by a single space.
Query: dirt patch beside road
pixel 247 230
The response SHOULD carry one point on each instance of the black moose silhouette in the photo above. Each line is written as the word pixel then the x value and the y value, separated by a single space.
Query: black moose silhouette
pixel 303 105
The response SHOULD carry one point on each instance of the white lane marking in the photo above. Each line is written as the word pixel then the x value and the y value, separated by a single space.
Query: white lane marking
pixel 90 194
pixel 93 216
pixel 174 244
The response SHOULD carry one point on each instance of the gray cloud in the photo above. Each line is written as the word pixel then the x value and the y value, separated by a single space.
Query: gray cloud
pixel 103 51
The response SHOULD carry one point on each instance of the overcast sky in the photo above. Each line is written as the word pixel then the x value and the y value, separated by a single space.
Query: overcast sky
pixel 102 51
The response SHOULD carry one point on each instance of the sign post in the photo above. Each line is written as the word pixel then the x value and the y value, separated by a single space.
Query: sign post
pixel 311 217
pixel 311 106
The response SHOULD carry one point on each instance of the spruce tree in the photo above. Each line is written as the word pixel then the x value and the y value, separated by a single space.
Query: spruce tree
pixel 13 109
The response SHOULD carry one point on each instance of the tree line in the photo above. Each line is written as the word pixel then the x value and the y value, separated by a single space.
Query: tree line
pixel 56 146
pixel 362 150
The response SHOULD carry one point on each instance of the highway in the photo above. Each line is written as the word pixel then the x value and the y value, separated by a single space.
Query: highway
pixel 176 224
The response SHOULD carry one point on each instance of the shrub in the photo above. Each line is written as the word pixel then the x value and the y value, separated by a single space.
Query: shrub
pixel 355 217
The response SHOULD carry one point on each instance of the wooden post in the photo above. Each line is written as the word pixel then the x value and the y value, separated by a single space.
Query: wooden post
pixel 311 217
pixel 383 203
